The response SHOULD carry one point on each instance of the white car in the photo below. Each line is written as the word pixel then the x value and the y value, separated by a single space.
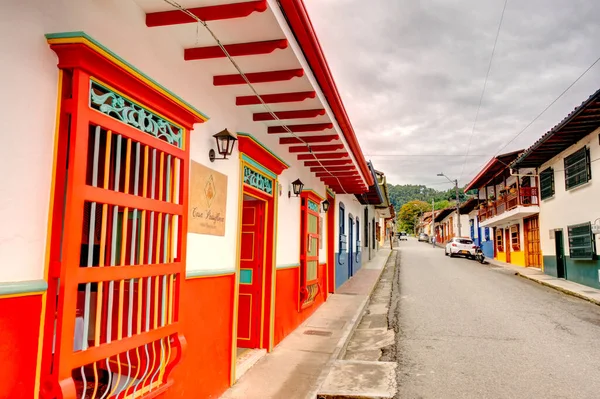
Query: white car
pixel 459 246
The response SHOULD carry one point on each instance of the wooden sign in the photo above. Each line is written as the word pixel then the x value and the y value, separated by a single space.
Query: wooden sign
pixel 208 201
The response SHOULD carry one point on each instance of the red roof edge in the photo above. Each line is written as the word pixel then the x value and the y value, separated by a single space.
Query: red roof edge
pixel 481 172
pixel 302 27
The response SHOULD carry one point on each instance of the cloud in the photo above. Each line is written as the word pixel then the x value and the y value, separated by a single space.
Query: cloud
pixel 411 75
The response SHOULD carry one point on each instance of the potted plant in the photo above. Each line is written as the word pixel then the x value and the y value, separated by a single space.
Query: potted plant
pixel 513 190
pixel 491 200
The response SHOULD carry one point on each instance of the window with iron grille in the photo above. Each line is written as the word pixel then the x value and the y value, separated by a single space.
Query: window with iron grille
pixel 581 241
pixel 577 168
pixel 547 183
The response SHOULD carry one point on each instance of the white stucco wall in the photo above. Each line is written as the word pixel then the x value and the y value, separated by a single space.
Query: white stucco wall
pixel 354 208
pixel 29 80
pixel 578 205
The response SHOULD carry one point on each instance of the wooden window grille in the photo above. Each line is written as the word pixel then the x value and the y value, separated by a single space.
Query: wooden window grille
pixel 577 168
pixel 309 249
pixel 515 238
pixel 547 183
pixel 581 241
pixel 500 240
pixel 117 252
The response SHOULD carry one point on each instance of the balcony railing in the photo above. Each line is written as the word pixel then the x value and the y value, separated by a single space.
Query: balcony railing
pixel 526 196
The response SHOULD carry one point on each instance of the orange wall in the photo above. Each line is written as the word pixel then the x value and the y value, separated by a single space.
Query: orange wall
pixel 287 317
pixel 19 332
pixel 206 309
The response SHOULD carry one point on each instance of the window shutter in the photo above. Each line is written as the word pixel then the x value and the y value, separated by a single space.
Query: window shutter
pixel 581 241
pixel 547 183
pixel 577 168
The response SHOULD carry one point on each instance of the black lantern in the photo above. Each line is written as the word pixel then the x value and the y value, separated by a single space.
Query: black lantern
pixel 225 143
pixel 325 205
pixel 297 186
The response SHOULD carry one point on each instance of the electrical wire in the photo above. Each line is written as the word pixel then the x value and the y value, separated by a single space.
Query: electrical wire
pixel 541 113
pixel 487 75
pixel 243 75
pixel 424 155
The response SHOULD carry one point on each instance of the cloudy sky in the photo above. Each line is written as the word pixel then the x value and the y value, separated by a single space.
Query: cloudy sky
pixel 411 75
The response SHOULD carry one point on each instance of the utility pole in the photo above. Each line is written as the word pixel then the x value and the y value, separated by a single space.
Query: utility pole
pixel 457 207
pixel 431 230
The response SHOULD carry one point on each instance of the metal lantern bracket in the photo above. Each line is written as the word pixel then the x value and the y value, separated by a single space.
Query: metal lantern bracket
pixel 225 143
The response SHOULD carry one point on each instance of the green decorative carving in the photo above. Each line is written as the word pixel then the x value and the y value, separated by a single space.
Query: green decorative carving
pixel 258 181
pixel 110 103
pixel 313 206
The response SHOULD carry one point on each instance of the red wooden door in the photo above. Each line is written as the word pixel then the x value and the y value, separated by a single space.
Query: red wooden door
pixel 507 244
pixel 251 275
pixel 309 250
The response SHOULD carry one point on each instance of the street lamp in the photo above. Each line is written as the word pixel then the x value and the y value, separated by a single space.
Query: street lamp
pixel 457 201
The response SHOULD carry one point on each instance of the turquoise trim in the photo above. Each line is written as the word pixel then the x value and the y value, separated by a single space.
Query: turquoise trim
pixel 68 35
pixel 258 166
pixel 208 273
pixel 23 287
pixel 288 266
pixel 263 146
pixel 330 192
pixel 314 192
pixel 245 276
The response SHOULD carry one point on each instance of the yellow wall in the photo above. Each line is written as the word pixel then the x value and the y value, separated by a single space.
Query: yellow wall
pixel 501 257
pixel 517 258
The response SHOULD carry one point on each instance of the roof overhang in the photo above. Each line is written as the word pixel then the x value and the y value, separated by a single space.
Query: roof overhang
pixel 374 196
pixel 495 166
pixel 468 206
pixel 444 213
pixel 274 44
pixel 582 121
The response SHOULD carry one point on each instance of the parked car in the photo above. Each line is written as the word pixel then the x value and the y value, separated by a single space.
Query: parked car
pixel 423 237
pixel 459 246
pixel 403 236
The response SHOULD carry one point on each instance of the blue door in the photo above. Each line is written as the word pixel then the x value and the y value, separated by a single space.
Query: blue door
pixel 350 245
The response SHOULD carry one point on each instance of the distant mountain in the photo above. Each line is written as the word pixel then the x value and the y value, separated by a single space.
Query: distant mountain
pixel 401 194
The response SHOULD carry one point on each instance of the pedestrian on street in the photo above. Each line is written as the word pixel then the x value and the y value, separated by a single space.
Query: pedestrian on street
pixel 433 241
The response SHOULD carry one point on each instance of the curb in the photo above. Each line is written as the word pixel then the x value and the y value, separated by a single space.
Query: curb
pixel 345 338
pixel 561 289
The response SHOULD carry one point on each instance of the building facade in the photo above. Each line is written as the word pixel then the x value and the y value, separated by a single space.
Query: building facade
pixel 565 161
pixel 165 210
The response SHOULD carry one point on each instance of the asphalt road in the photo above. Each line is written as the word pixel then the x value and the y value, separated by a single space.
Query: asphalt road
pixel 467 330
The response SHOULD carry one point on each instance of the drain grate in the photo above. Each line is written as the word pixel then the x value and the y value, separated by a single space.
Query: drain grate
pixel 319 333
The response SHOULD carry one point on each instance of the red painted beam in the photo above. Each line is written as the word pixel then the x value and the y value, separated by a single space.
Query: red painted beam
pixel 338 174
pixel 210 13
pixel 301 114
pixel 308 139
pixel 257 77
pixel 335 162
pixel 234 50
pixel 323 155
pixel 276 98
pixel 315 127
pixel 330 168
pixel 317 148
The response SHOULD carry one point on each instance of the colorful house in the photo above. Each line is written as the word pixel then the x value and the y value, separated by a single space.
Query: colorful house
pixel 446 224
pixel 565 162
pixel 164 208
pixel 509 205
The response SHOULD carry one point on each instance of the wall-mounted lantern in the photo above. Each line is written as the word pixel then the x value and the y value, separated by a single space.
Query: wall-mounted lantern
pixel 325 205
pixel 225 143
pixel 297 186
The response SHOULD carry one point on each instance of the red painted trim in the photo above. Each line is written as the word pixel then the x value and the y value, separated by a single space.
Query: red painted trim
pixel 300 114
pixel 491 163
pixel 250 147
pixel 331 169
pixel 308 139
pixel 339 174
pixel 210 13
pixel 331 244
pixel 258 77
pixel 336 162
pixel 316 148
pixel 234 50
pixel 80 56
pixel 275 98
pixel 324 155
pixel 303 30
pixel 314 127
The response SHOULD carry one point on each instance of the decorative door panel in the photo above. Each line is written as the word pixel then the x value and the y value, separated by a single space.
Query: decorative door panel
pixel 532 236
pixel 309 249
pixel 251 274
pixel 118 238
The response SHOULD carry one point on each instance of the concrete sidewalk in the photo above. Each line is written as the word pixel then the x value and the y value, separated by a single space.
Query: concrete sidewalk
pixel 568 287
pixel 297 366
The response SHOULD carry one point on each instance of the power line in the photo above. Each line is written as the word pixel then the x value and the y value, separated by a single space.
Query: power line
pixel 243 75
pixel 544 111
pixel 424 155
pixel 487 75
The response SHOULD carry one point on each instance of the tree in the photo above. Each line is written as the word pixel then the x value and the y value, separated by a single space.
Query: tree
pixel 409 214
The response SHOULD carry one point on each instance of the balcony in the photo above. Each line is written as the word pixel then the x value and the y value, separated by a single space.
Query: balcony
pixel 516 205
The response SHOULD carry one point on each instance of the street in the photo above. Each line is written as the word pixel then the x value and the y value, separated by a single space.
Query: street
pixel 468 330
